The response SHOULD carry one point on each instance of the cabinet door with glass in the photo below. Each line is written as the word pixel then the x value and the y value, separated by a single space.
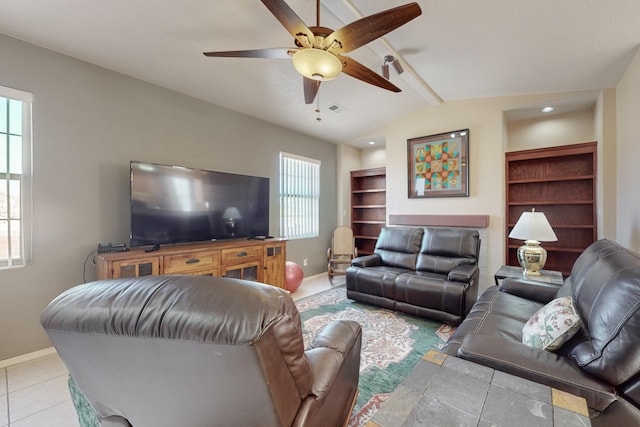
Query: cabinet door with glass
pixel 249 271
pixel 274 256
pixel 136 268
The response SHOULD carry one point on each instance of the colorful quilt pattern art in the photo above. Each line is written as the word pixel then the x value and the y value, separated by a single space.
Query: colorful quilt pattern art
pixel 438 165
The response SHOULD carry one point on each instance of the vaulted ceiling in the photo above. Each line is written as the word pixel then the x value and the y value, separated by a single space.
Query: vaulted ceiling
pixel 455 50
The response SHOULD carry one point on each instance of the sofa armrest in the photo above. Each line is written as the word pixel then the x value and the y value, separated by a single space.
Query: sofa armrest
pixel 463 273
pixel 338 344
pixel 529 289
pixel 537 365
pixel 366 261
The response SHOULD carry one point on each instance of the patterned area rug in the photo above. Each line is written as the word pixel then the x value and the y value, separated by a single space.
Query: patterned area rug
pixel 392 343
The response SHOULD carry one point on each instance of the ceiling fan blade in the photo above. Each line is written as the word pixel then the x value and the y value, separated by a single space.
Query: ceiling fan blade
pixel 360 72
pixel 272 53
pixel 310 89
pixel 291 22
pixel 367 29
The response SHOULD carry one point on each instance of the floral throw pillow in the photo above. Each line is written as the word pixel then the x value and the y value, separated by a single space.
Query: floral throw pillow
pixel 552 325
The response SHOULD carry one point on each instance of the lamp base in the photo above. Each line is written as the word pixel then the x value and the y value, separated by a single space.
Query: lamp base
pixel 230 224
pixel 532 257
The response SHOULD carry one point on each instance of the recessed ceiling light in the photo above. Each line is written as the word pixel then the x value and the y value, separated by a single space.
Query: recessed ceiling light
pixel 547 109
pixel 372 143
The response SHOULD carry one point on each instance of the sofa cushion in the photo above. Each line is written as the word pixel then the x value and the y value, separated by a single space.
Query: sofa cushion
pixel 443 249
pixel 399 246
pixel 373 285
pixel 552 325
pixel 607 299
pixel 431 291
pixel 496 313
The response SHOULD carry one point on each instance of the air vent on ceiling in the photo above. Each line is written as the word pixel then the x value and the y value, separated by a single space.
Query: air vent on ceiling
pixel 337 108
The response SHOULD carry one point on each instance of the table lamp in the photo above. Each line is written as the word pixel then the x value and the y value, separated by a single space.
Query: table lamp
pixel 231 215
pixel 533 228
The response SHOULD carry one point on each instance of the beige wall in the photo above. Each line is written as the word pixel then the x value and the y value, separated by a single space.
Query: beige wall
pixel 373 158
pixel 628 156
pixel 605 130
pixel 552 130
pixel 88 123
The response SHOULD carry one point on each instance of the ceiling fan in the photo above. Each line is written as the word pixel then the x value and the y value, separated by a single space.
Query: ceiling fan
pixel 318 55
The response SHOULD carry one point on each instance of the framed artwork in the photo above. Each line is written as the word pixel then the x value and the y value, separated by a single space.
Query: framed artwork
pixel 439 165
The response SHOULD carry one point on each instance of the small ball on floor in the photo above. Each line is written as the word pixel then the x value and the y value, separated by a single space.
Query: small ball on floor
pixel 293 276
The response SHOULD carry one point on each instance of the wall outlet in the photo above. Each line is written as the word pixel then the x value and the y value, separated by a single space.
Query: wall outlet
pixel 305 261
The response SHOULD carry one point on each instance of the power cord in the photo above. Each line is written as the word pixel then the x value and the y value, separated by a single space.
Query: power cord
pixel 92 255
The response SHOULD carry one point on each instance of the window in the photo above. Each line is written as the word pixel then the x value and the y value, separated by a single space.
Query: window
pixel 299 196
pixel 15 177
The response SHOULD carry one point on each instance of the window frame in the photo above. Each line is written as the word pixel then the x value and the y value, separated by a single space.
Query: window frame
pixel 303 200
pixel 25 177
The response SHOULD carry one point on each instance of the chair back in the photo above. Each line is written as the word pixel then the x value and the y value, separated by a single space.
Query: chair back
pixel 183 350
pixel 342 242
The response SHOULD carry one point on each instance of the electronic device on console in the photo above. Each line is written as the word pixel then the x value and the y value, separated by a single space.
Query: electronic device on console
pixel 174 204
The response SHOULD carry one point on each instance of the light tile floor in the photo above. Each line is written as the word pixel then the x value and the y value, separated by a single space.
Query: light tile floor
pixel 35 393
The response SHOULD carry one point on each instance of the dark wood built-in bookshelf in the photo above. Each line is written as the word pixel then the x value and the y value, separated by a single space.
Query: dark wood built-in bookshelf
pixel 561 182
pixel 368 207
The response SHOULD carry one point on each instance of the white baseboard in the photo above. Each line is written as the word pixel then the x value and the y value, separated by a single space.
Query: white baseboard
pixel 27 357
pixel 314 276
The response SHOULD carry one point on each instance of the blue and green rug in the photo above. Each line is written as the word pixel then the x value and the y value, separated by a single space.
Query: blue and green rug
pixel 392 343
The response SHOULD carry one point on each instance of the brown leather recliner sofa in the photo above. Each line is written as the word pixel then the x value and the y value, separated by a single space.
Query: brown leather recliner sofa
pixel 600 363
pixel 428 272
pixel 202 351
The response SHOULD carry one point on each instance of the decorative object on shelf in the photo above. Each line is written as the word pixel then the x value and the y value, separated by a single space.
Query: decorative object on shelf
pixel 533 228
pixel 293 276
pixel 231 216
pixel 390 59
pixel 438 165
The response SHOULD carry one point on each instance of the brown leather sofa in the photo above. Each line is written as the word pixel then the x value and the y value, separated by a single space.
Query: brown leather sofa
pixel 428 272
pixel 202 351
pixel 601 362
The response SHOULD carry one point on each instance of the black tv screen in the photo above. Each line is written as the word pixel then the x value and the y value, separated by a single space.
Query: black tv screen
pixel 173 204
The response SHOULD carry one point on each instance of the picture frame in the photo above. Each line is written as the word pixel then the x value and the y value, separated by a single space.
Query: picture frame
pixel 438 165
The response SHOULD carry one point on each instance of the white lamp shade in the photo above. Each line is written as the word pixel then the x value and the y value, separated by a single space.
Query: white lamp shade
pixel 317 64
pixel 231 213
pixel 533 226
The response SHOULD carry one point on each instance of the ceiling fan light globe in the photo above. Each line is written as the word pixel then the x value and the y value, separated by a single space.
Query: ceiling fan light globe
pixel 317 64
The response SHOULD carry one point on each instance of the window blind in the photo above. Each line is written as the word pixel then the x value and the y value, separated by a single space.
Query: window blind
pixel 299 196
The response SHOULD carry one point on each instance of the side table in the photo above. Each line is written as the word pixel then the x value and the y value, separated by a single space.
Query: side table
pixel 547 276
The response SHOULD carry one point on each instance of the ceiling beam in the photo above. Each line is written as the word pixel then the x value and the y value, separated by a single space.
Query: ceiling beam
pixel 346 12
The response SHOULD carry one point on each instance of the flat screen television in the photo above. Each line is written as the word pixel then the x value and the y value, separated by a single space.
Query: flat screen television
pixel 174 204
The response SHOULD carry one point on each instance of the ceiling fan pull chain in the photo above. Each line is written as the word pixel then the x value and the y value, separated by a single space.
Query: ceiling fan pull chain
pixel 318 119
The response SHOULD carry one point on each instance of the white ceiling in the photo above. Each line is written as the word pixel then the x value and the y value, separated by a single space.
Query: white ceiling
pixel 455 50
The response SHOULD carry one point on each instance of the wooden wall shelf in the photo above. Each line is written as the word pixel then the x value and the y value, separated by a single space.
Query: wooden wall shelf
pixel 561 182
pixel 368 207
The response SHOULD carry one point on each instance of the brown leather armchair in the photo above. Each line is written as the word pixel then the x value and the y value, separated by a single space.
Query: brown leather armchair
pixel 202 351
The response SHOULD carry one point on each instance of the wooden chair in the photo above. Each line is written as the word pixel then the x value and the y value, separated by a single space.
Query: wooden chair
pixel 341 252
